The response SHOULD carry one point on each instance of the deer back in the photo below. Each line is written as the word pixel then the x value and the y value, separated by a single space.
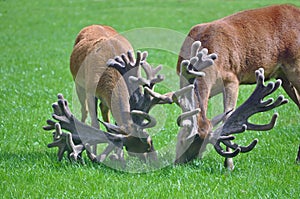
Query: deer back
pixel 248 40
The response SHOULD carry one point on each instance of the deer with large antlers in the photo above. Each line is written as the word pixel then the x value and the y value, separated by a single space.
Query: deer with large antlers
pixel 266 37
pixel 99 73
pixel 94 45
pixel 191 140
pixel 94 80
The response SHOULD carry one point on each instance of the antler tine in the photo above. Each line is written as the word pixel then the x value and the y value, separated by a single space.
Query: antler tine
pixel 159 98
pixel 151 74
pixel 141 57
pixel 64 116
pixel 76 150
pixel 58 132
pixel 118 64
pixel 188 71
pixel 138 81
pixel 181 92
pixel 50 126
pixel 226 154
pixel 59 140
pixel 124 63
pixel 254 104
pixel 245 149
pixel 199 60
pixel 151 120
pixel 186 115
pixel 204 60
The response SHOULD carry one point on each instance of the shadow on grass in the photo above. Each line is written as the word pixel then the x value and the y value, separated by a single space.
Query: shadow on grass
pixel 48 160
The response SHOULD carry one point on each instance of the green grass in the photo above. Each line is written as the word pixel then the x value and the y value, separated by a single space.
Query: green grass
pixel 36 39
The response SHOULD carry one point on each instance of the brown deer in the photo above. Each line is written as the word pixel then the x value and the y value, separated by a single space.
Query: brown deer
pixel 190 142
pixel 100 73
pixel 266 37
pixel 94 46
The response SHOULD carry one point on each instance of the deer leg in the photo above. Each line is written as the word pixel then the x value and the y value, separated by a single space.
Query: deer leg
pixel 92 101
pixel 92 107
pixel 105 115
pixel 104 112
pixel 298 156
pixel 82 99
pixel 291 89
pixel 291 84
pixel 230 95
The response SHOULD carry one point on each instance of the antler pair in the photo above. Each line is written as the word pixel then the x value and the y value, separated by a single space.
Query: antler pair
pixel 190 143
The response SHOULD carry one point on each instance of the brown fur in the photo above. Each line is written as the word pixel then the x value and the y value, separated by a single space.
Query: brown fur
pixel 93 47
pixel 268 37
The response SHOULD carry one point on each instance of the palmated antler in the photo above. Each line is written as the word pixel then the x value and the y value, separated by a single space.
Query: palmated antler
pixel 130 70
pixel 79 133
pixel 238 120
pixel 125 63
pixel 200 59
pixel 189 141
pixel 59 140
pixel 65 143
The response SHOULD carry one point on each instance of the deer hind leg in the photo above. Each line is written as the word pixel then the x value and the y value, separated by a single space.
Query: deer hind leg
pixel 291 84
pixel 83 101
pixel 230 95
pixel 290 89
pixel 105 112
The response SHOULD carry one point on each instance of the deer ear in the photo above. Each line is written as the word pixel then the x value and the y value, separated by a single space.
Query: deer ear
pixel 113 128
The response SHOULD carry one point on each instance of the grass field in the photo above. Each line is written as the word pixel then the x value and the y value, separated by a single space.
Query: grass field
pixel 36 39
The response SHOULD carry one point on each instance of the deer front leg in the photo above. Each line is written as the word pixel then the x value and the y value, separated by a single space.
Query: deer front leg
pixel 92 107
pixel 92 101
pixel 230 95
pixel 82 99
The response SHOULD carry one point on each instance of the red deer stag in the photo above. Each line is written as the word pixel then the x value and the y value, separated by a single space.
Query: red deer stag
pixel 266 37
pixel 190 142
pixel 94 46
pixel 99 73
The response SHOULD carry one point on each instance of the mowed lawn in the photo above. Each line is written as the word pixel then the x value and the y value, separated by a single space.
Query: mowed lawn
pixel 36 40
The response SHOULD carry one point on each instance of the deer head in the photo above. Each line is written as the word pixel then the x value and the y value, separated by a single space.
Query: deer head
pixel 192 140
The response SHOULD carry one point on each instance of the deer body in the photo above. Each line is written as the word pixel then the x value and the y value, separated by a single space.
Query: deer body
pixel 94 46
pixel 95 79
pixel 268 37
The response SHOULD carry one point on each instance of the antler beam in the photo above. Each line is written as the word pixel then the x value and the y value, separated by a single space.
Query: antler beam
pixel 238 122
pixel 78 135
